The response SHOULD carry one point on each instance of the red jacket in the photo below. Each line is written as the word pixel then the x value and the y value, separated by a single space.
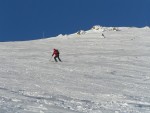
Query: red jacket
pixel 55 52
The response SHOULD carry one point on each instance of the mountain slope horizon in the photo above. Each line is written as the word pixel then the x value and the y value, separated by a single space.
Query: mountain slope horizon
pixel 96 27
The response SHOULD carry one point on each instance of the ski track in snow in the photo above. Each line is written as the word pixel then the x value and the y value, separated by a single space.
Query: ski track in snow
pixel 97 75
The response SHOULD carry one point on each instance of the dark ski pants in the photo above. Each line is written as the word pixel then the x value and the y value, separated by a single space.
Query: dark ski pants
pixel 57 57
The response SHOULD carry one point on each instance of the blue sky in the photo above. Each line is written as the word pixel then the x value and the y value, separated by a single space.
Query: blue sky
pixel 28 19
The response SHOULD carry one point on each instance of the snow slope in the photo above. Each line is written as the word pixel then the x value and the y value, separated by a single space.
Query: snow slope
pixel 97 75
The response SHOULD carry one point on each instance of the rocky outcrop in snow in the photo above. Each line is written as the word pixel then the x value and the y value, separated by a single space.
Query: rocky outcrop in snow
pixel 81 32
pixel 101 28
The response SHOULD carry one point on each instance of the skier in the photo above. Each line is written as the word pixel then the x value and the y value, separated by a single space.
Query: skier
pixel 56 55
pixel 103 35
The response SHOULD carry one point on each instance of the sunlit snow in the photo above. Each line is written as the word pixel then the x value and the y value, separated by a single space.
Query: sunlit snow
pixel 98 74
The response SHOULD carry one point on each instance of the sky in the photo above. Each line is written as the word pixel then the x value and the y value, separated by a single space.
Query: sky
pixel 35 19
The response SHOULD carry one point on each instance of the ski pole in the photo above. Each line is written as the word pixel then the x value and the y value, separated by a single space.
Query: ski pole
pixel 50 58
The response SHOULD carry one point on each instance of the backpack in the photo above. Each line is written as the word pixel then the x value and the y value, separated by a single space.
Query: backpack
pixel 57 51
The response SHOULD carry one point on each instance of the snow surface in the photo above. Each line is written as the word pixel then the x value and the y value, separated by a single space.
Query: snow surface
pixel 97 75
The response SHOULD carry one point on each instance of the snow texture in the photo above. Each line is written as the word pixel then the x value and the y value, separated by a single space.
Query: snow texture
pixel 97 75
